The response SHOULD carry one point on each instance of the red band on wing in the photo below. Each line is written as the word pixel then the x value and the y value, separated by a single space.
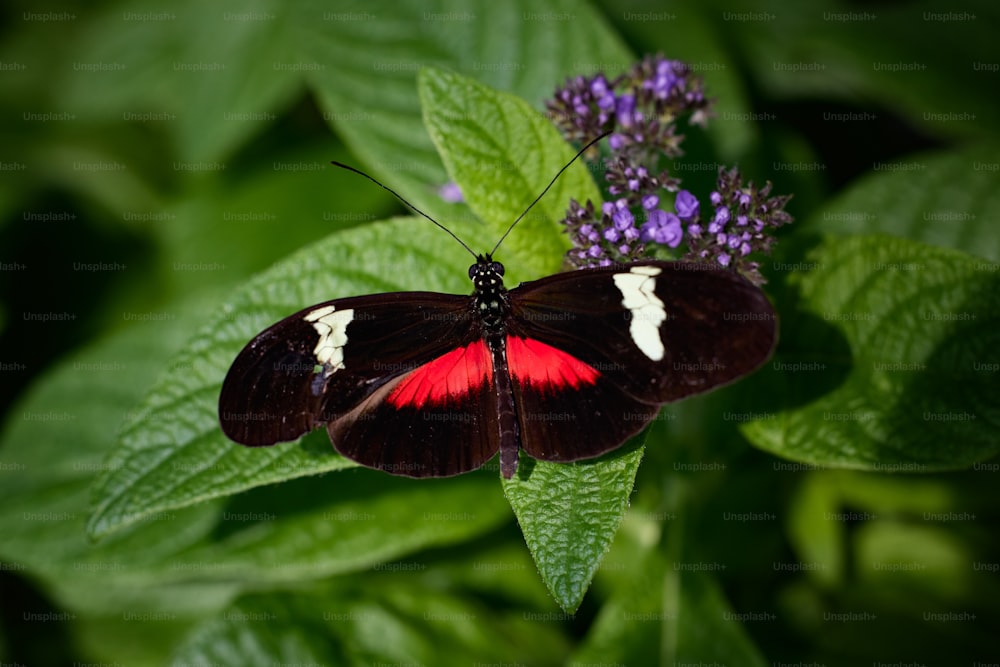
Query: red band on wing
pixel 455 374
pixel 545 367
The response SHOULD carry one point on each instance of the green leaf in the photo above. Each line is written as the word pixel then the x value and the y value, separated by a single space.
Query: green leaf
pixel 319 526
pixel 53 447
pixel 262 631
pixel 370 96
pixel 888 361
pixel 671 612
pixel 797 56
pixel 407 623
pixel 569 513
pixel 831 505
pixel 705 628
pixel 818 541
pixel 947 199
pixel 502 154
pixel 214 77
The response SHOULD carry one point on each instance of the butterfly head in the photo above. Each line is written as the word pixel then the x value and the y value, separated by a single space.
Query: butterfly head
pixel 486 273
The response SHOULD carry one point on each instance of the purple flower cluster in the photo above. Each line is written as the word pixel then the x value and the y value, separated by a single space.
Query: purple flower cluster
pixel 641 108
pixel 616 236
pixel 741 224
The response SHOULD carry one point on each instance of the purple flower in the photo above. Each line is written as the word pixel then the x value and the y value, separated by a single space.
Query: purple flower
pixel 621 216
pixel 450 192
pixel 663 228
pixel 721 215
pixel 686 205
pixel 623 219
pixel 625 110
pixel 664 80
pixel 602 92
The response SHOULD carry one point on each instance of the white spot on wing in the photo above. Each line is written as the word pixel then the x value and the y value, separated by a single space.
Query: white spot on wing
pixel 638 288
pixel 331 325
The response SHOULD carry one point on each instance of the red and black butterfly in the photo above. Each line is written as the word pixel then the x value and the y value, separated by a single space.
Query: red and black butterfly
pixel 568 367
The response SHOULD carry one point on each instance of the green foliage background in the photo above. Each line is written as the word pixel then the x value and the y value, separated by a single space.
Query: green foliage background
pixel 165 194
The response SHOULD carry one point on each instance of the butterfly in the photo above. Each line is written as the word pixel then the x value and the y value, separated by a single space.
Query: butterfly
pixel 568 367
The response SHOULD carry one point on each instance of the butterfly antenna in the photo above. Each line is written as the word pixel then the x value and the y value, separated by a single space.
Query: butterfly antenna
pixel 551 183
pixel 408 204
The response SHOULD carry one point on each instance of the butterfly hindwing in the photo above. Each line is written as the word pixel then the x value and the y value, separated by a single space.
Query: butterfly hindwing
pixel 439 419
pixel 568 410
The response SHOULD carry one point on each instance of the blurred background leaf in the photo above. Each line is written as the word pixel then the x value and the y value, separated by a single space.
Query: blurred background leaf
pixel 165 191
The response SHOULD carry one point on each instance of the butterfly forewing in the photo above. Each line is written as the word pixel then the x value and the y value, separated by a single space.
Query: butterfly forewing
pixel 315 366
pixel 659 338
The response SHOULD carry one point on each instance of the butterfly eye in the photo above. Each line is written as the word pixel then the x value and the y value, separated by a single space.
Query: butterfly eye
pixel 497 268
pixel 472 271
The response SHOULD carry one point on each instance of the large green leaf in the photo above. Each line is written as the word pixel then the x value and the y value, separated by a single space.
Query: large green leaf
pixel 213 75
pixel 888 360
pixel 376 48
pixel 502 154
pixel 672 611
pixel 406 623
pixel 793 52
pixel 947 199
pixel 52 449
pixel 569 513
pixel 322 525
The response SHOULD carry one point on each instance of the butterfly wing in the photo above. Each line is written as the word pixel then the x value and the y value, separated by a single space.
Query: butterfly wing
pixel 406 382
pixel 337 363
pixel 634 337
